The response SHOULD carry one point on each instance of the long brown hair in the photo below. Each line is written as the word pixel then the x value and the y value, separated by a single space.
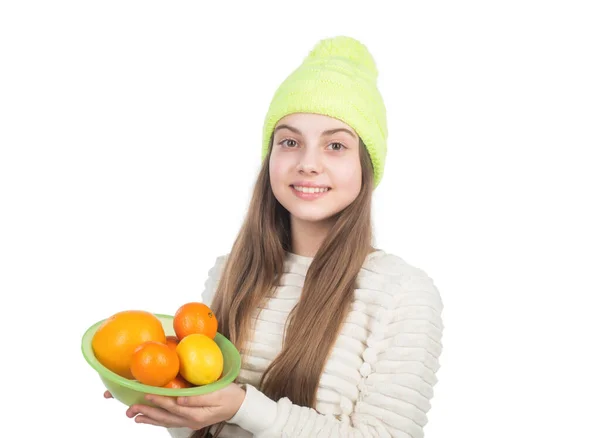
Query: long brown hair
pixel 254 267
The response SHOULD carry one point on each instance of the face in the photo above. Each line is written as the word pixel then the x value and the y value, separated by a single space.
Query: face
pixel 315 166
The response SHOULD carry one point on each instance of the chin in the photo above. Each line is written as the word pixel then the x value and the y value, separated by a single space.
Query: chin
pixel 309 211
pixel 311 216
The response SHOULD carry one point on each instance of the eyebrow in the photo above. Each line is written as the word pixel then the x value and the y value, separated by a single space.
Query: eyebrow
pixel 328 132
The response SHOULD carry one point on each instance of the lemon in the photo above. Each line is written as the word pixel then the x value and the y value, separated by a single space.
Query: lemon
pixel 200 359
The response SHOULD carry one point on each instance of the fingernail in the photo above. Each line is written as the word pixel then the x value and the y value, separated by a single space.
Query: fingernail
pixel 182 400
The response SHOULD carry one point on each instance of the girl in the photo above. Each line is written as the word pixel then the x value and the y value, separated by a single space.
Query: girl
pixel 338 338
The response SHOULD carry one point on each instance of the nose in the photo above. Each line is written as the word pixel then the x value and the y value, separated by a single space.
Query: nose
pixel 309 162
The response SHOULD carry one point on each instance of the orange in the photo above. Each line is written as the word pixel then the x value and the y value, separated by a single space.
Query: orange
pixel 195 318
pixel 119 335
pixel 200 359
pixel 154 363
pixel 172 342
pixel 178 383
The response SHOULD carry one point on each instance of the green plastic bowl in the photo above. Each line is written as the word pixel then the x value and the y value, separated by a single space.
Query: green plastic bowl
pixel 130 392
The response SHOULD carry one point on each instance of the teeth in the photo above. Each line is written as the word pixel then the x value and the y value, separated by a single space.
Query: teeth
pixel 311 189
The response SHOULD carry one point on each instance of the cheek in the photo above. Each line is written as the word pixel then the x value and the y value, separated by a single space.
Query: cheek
pixel 349 176
pixel 281 166
pixel 278 176
pixel 275 171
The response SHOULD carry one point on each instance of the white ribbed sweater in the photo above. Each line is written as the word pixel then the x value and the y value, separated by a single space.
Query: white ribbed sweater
pixel 379 379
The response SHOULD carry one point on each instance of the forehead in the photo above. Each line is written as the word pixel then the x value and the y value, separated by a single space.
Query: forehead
pixel 312 123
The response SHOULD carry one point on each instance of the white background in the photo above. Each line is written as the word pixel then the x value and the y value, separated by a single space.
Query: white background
pixel 130 139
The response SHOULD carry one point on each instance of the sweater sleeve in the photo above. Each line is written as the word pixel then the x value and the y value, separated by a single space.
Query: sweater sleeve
pixel 397 376
pixel 212 280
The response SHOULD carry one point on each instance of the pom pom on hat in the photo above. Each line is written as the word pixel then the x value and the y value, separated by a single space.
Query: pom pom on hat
pixel 347 48
pixel 338 78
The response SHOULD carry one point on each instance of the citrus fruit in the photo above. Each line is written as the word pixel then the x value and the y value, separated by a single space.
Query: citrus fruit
pixel 178 383
pixel 172 342
pixel 193 318
pixel 119 335
pixel 154 363
pixel 200 359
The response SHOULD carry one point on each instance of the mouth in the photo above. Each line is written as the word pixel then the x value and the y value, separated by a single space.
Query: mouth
pixel 309 190
pixel 309 193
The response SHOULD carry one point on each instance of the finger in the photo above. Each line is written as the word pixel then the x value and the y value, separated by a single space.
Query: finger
pixel 199 401
pixel 157 415
pixel 170 404
pixel 147 420
pixel 107 394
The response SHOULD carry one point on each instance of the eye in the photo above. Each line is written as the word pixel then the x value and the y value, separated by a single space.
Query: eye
pixel 337 146
pixel 286 142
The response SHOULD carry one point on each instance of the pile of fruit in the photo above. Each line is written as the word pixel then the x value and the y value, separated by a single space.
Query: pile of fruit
pixel 134 345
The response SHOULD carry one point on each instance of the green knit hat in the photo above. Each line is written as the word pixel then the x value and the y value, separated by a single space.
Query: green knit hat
pixel 338 78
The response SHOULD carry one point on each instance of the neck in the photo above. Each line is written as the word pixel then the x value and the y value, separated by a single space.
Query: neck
pixel 307 237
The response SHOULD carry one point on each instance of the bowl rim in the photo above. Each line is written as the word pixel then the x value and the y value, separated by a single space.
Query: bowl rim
pixel 105 373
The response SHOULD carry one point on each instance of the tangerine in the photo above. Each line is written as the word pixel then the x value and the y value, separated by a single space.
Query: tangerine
pixel 118 336
pixel 178 383
pixel 195 318
pixel 200 359
pixel 172 342
pixel 154 363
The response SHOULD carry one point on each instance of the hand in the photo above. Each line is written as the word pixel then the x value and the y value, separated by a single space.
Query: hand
pixel 194 412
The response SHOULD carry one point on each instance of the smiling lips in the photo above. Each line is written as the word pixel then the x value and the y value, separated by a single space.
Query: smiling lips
pixel 309 192
pixel 311 189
